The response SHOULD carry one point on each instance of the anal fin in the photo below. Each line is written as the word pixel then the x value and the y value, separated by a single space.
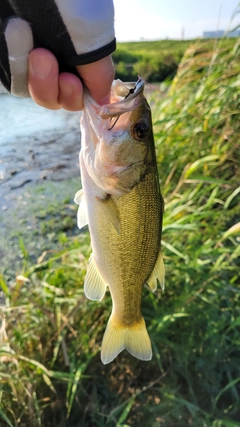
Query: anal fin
pixel 94 285
pixel 158 274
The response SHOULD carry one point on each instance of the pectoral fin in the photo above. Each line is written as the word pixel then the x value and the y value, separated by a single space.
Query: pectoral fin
pixel 158 274
pixel 111 211
pixel 94 285
pixel 82 218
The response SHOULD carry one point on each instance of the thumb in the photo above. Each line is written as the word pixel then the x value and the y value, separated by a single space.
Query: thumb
pixel 98 77
pixel 16 41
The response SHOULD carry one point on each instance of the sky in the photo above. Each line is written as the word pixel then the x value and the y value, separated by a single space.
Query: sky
pixel 161 19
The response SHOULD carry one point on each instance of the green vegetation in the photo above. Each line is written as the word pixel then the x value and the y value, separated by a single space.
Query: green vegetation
pixel 51 374
pixel 155 61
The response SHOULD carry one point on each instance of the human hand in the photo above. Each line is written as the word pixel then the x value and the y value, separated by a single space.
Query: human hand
pixel 52 90
pixel 37 38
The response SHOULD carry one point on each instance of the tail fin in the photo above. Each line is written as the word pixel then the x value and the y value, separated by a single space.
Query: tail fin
pixel 134 339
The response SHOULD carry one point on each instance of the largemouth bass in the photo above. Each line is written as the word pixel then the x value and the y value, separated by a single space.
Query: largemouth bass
pixel 123 207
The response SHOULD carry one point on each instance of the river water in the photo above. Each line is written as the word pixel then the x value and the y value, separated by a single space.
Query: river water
pixel 35 143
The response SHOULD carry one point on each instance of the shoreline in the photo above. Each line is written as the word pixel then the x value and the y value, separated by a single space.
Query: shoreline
pixel 39 175
pixel 41 219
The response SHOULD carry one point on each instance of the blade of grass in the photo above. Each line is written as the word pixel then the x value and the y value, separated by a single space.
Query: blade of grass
pixel 5 418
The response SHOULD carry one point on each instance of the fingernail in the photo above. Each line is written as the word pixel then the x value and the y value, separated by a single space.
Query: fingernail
pixel 40 66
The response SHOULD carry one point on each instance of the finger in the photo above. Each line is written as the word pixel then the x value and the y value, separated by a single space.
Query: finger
pixel 70 92
pixel 43 78
pixel 98 78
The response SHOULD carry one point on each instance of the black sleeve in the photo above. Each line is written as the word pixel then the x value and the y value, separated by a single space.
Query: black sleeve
pixel 77 32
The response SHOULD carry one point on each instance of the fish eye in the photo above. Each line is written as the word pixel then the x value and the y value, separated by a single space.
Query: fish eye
pixel 140 131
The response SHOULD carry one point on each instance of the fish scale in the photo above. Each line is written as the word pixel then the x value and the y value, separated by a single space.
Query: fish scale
pixel 125 229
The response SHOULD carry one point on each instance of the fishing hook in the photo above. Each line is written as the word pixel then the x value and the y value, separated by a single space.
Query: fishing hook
pixel 129 93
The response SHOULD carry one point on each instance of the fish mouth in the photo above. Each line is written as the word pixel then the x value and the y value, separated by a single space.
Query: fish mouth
pixel 132 99
pixel 134 88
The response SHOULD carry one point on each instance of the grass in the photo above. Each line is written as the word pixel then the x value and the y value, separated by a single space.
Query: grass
pixel 50 370
pixel 156 61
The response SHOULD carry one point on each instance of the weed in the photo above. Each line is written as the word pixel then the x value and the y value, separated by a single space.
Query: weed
pixel 51 374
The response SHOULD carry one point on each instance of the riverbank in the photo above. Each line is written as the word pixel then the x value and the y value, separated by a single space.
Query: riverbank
pixel 39 175
pixel 37 222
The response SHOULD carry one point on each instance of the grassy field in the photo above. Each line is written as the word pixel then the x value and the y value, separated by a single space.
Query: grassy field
pixel 158 60
pixel 50 369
